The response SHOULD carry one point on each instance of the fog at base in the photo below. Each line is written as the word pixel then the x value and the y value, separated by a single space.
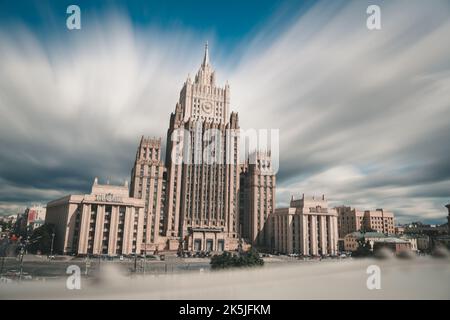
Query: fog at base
pixel 418 278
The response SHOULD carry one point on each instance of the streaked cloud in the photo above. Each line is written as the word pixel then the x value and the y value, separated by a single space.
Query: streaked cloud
pixel 363 115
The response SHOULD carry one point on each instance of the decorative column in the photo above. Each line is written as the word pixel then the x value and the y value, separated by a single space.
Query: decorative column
pixel 323 235
pixel 113 230
pixel 128 227
pixel 84 229
pixel 98 236
pixel 140 229
pixel 334 232
pixel 313 233
pixel 329 235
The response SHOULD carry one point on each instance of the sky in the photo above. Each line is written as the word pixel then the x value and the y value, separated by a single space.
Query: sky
pixel 363 114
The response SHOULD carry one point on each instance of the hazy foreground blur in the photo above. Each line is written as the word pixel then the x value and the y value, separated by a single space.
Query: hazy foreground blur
pixel 418 278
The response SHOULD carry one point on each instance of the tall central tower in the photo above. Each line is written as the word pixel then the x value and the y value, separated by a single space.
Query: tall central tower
pixel 202 197
pixel 202 100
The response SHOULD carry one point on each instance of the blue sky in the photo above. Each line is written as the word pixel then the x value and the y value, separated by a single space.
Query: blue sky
pixel 230 21
pixel 363 115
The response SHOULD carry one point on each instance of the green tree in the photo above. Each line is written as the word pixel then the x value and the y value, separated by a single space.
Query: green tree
pixel 364 248
pixel 41 239
pixel 228 260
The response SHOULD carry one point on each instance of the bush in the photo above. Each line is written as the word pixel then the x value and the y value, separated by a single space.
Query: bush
pixel 228 260
pixel 363 250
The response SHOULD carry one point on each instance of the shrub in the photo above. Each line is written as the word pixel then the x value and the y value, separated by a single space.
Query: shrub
pixel 228 260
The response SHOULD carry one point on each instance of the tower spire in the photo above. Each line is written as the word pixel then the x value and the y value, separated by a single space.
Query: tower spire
pixel 206 57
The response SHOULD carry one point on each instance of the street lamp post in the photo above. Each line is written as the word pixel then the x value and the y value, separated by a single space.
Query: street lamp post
pixel 3 264
pixel 22 252
pixel 145 256
pixel 23 247
pixel 4 253
pixel 53 240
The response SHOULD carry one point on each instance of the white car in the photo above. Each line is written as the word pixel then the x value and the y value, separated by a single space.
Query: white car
pixel 5 280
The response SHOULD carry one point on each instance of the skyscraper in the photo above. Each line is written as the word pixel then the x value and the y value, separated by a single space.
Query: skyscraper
pixel 189 202
pixel 148 183
pixel 193 201
pixel 199 209
pixel 202 163
pixel 257 199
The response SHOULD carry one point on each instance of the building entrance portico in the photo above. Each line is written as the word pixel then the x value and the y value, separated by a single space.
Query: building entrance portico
pixel 204 239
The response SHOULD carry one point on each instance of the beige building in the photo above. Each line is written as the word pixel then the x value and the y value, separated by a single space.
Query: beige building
pixel 351 220
pixel 307 227
pixel 380 221
pixel 148 183
pixel 189 202
pixel 202 209
pixel 399 230
pixel 257 199
pixel 106 221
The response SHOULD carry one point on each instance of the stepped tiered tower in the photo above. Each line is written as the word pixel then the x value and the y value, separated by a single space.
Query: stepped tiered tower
pixel 148 183
pixel 202 198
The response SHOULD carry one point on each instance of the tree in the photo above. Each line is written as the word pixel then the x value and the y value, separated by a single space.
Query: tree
pixel 41 239
pixel 6 225
pixel 228 260
pixel 364 248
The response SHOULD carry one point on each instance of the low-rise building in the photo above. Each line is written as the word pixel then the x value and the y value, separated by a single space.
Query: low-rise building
pixel 395 245
pixel 351 241
pixel 412 240
pixel 399 230
pixel 423 243
pixel 106 221
pixel 419 228
pixel 35 215
pixel 306 227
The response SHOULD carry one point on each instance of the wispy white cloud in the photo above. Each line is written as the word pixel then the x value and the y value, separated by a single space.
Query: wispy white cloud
pixel 363 115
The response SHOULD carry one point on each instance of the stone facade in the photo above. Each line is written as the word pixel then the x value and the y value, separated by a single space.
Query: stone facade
pixel 257 199
pixel 306 227
pixel 191 201
pixel 106 221
pixel 351 220
pixel 202 198
pixel 148 183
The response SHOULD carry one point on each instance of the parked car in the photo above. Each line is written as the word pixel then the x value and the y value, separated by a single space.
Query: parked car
pixel 5 280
